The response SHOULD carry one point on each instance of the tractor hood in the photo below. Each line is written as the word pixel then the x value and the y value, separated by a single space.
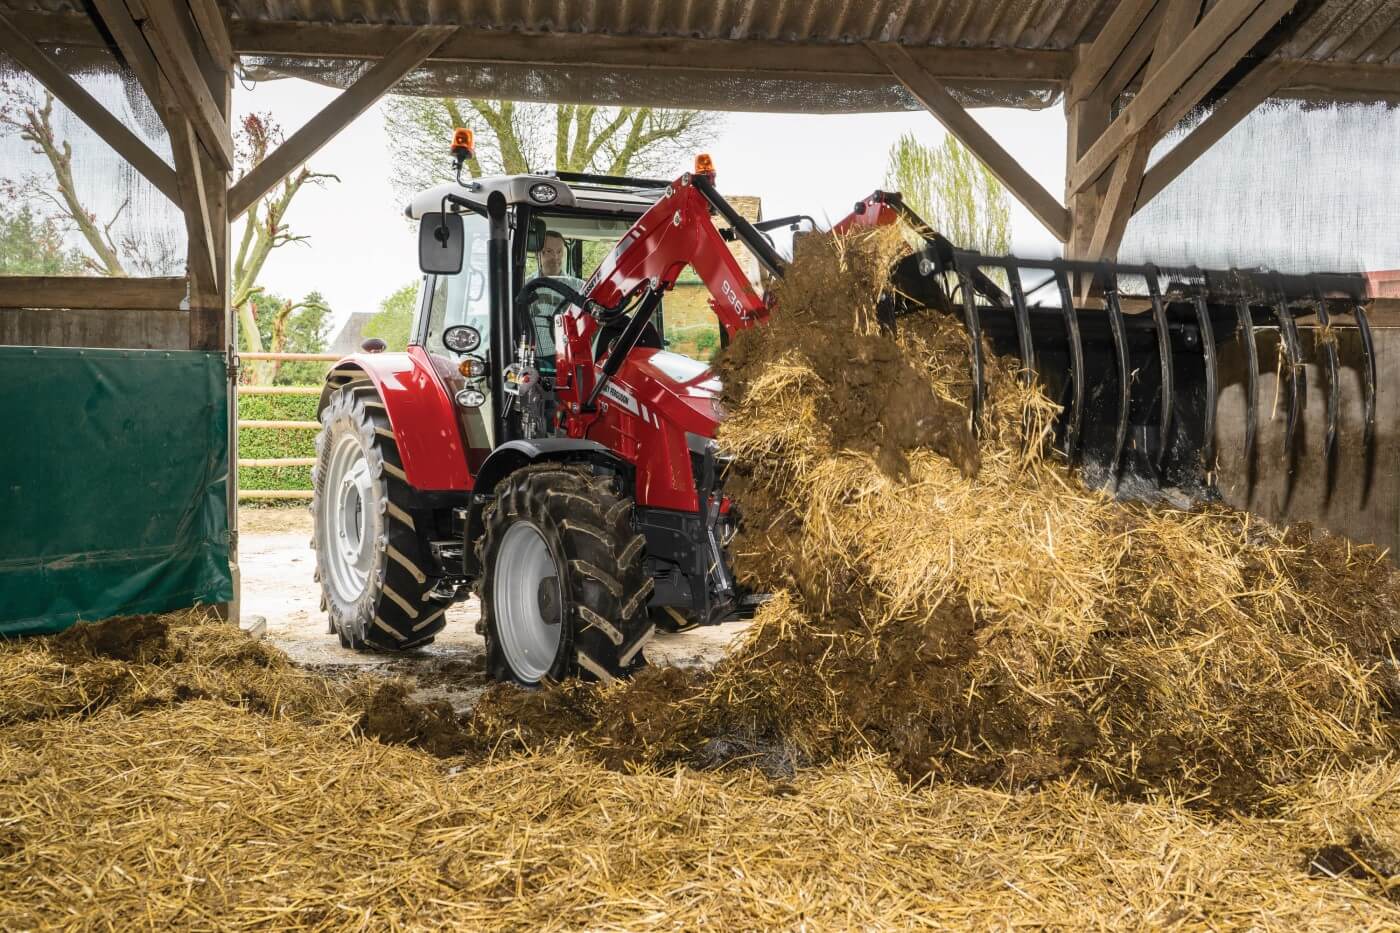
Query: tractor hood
pixel 676 387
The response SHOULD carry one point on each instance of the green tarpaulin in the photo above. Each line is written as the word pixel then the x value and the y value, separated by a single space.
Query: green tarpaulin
pixel 113 484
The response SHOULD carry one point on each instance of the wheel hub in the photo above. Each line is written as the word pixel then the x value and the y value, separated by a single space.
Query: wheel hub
pixel 527 601
pixel 345 523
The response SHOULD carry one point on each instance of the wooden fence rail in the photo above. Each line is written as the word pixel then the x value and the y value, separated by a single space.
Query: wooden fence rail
pixel 276 425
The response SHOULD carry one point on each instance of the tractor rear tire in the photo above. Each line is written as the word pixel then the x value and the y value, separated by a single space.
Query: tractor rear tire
pixel 564 592
pixel 370 558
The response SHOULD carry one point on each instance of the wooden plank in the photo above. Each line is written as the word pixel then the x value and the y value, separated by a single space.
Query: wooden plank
pixel 281 425
pixel 202 257
pixel 936 99
pixel 552 50
pixel 278 462
pixel 278 390
pixel 209 19
pixel 133 48
pixel 110 328
pixel 335 116
pixel 1252 91
pixel 97 117
pixel 1225 21
pixel 1225 59
pixel 274 493
pixel 165 33
pixel 91 292
pixel 1126 20
pixel 1178 17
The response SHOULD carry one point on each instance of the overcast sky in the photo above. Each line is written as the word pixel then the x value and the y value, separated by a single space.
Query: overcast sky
pixel 361 249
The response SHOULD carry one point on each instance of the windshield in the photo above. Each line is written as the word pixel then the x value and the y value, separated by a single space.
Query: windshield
pixel 571 246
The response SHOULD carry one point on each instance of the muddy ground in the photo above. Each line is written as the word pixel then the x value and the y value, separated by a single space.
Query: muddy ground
pixel 277 565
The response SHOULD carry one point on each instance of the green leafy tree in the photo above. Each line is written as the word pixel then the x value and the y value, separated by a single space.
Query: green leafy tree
pixel 287 326
pixel 513 137
pixel 33 245
pixel 394 320
pixel 948 187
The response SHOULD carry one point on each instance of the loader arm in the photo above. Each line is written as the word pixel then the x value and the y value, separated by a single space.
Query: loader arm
pixel 677 232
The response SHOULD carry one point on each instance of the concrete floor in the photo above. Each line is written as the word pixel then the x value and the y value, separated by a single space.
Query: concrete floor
pixel 277 566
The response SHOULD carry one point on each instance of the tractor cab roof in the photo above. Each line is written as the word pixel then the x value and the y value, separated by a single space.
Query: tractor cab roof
pixel 615 195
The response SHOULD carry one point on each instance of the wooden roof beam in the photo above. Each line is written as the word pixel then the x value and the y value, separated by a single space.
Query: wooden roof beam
pixel 956 120
pixel 1228 30
pixel 1126 20
pixel 1253 90
pixel 97 117
pixel 1178 18
pixel 167 31
pixel 353 101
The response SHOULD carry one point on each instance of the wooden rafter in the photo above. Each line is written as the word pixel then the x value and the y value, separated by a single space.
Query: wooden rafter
pixel 353 101
pixel 1252 91
pixel 930 92
pixel 97 117
pixel 1231 27
pixel 213 28
pixel 167 30
pixel 133 47
pixel 1178 18
pixel 1126 20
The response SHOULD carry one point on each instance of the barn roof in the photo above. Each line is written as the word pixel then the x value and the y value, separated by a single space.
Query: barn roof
pixel 803 55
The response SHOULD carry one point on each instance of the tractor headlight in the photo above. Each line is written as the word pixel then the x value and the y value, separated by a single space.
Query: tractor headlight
pixel 461 338
pixel 544 193
pixel 471 398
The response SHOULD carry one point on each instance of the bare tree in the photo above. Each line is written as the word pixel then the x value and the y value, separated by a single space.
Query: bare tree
pixel 32 119
pixel 265 228
pixel 517 137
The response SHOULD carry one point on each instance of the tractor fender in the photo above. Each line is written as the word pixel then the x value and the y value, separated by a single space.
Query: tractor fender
pixel 420 411
pixel 513 455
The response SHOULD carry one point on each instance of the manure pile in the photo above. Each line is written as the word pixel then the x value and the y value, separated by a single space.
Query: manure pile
pixel 981 696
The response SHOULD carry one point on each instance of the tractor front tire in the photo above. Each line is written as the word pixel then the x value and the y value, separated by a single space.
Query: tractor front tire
pixel 564 592
pixel 370 558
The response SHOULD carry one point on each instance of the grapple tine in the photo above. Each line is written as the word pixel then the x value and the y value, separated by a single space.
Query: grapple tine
pixel 1329 357
pixel 1120 344
pixel 1292 349
pixel 1076 366
pixel 1251 357
pixel 1164 357
pixel 1212 379
pixel 1368 387
pixel 974 336
pixel 1023 325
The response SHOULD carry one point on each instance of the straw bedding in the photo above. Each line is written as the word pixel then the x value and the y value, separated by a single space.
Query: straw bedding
pixel 982 695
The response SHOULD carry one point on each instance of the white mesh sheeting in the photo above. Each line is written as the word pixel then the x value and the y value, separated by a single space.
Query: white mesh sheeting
pixel 145 230
pixel 1294 187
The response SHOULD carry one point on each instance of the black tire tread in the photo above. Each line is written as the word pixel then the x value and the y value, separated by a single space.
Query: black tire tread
pixel 396 612
pixel 591 521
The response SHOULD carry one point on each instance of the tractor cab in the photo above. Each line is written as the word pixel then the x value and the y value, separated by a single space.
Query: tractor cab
pixel 559 227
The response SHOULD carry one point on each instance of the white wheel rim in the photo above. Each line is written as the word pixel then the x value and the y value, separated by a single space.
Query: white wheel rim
pixel 523 565
pixel 348 520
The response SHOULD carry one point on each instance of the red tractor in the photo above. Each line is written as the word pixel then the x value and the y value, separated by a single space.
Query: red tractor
pixel 538 444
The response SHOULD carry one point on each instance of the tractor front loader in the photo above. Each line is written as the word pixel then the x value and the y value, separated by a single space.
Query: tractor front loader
pixel 539 446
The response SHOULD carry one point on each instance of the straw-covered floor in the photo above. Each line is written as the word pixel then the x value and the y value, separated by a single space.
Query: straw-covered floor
pixel 982 696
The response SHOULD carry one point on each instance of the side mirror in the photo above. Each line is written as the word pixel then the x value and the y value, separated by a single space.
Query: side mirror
pixel 441 243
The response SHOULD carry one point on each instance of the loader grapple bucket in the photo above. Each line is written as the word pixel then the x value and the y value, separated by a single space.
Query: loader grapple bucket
pixel 1137 368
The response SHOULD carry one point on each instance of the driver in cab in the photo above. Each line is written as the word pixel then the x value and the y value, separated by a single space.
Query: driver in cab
pixel 548 304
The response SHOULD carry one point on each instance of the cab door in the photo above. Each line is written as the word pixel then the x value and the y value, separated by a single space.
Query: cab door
pixel 463 298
